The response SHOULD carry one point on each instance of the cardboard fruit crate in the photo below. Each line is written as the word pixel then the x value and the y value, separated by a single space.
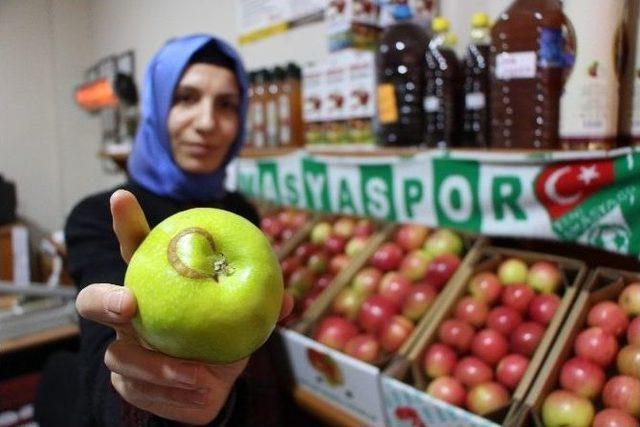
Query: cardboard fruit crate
pixel 346 382
pixel 603 284
pixel 404 382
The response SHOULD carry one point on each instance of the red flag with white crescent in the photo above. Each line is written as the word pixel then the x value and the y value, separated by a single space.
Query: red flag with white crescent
pixel 562 187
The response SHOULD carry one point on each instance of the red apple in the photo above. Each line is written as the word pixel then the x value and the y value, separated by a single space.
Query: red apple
pixel 543 307
pixel 526 338
pixel 335 331
pixel 414 265
pixel 511 369
pixel 309 299
pixel 338 263
pixel 472 311
pixel 629 299
pixel 286 217
pixel 486 287
pixel 448 390
pixel 289 265
pixel 456 333
pixel 490 346
pixel 439 360
pixel 472 371
pixel 440 270
pixel 299 219
pixel 287 234
pixel 513 270
pixel 583 377
pixel 323 281
pixel 486 398
pixel 344 227
pixel 387 257
pixel 633 331
pixel 504 319
pixel 375 311
pixel 544 277
pixel 318 262
pixel 517 296
pixel 565 408
pixel 305 250
pixel 394 332
pixel 609 316
pixel 320 232
pixel 335 244
pixel 411 236
pixel 300 282
pixel 363 227
pixel 394 287
pixel 272 227
pixel 628 360
pixel 367 281
pixel 355 245
pixel 418 300
pixel 596 345
pixel 623 392
pixel 364 347
pixel 614 418
pixel 444 241
pixel 347 303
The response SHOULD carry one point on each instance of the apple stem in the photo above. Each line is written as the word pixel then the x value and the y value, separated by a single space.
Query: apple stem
pixel 220 266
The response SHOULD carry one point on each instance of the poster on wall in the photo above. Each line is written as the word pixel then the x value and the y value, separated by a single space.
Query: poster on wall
pixel 259 19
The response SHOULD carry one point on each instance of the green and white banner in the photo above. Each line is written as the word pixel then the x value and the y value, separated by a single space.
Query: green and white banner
pixel 591 198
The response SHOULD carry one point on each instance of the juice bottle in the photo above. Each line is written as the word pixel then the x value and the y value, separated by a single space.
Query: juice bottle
pixel 442 82
pixel 290 107
pixel 272 85
pixel 259 119
pixel 527 60
pixel 400 57
pixel 476 119
pixel 249 122
pixel 629 128
pixel 589 104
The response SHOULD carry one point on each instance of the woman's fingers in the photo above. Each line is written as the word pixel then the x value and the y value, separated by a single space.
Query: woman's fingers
pixel 287 305
pixel 129 222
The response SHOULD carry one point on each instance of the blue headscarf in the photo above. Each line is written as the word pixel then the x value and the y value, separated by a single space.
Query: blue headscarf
pixel 151 162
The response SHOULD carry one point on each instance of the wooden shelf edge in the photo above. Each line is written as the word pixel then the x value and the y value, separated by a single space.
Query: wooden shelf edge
pixel 324 410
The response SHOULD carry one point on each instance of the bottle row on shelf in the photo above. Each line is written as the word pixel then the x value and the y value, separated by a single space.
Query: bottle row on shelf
pixel 451 330
pixel 545 75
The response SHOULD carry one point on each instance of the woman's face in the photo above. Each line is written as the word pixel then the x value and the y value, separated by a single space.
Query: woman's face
pixel 204 118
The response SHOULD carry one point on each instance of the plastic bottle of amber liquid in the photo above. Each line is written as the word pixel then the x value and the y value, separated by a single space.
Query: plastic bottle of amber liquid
pixel 589 104
pixel 476 119
pixel 400 81
pixel 442 87
pixel 258 111
pixel 527 60
pixel 290 107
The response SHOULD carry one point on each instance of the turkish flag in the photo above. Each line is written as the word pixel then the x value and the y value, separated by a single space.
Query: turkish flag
pixel 561 187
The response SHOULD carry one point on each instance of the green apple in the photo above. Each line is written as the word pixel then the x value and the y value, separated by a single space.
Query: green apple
pixel 208 286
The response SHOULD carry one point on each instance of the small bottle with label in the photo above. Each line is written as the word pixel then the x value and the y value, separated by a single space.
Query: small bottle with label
pixel 258 111
pixel 442 83
pixel 527 62
pixel 476 119
pixel 273 79
pixel 290 107
pixel 589 104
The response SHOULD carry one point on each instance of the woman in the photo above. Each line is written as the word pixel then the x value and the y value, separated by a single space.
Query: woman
pixel 194 107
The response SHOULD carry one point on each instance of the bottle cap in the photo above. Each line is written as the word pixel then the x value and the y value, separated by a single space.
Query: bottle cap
pixel 278 73
pixel 480 20
pixel 402 12
pixel 451 40
pixel 440 24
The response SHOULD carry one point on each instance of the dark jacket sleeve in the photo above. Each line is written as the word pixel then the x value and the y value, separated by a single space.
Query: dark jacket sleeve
pixel 94 257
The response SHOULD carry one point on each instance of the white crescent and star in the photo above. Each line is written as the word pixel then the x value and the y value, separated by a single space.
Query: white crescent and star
pixel 550 188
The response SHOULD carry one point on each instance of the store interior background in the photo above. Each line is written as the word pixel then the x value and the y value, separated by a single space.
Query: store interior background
pixel 48 146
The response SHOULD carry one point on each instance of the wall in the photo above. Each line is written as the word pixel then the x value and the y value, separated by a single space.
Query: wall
pixel 47 144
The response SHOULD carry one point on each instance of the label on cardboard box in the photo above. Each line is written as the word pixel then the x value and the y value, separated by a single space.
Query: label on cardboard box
pixel 337 86
pixel 313 86
pixel 362 85
pixel 348 383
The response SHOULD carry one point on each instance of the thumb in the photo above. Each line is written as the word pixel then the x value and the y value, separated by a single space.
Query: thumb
pixel 108 304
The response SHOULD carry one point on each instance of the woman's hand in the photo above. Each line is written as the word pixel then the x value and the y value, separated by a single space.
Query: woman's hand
pixel 180 390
